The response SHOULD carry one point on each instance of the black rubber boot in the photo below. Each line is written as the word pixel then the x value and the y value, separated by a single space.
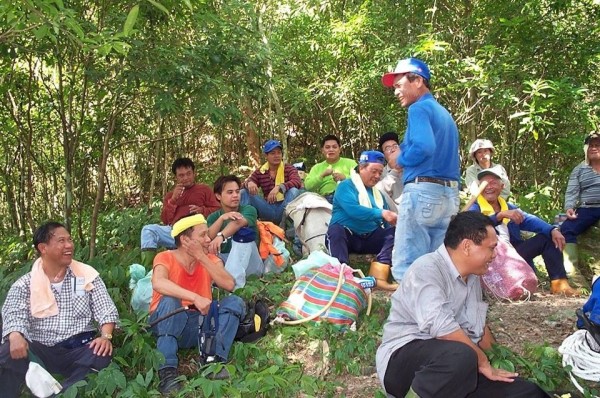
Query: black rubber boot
pixel 168 381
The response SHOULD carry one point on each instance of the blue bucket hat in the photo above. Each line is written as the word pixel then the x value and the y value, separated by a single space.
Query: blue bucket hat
pixel 270 145
pixel 371 157
pixel 407 65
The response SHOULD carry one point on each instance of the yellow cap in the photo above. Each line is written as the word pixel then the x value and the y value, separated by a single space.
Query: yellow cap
pixel 187 222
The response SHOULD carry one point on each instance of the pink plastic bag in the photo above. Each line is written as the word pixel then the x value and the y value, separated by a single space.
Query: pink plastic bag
pixel 509 276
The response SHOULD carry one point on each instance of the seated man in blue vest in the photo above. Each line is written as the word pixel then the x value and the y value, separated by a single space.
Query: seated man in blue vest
pixel 361 221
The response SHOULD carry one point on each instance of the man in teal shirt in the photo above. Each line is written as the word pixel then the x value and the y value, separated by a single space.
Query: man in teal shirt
pixel 233 232
pixel 324 177
pixel 361 222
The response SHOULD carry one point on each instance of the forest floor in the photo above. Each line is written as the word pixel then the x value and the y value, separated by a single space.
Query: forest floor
pixel 545 319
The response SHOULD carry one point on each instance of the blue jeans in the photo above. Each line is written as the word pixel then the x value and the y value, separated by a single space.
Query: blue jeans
pixel 181 330
pixel 243 260
pixel 268 211
pixel 155 235
pixel 586 217
pixel 544 246
pixel 425 210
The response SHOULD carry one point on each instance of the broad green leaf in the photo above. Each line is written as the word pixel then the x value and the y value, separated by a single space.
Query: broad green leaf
pixel 130 21
pixel 159 6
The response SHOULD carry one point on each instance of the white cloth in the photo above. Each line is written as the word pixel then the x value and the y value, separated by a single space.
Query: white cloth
pixel 363 196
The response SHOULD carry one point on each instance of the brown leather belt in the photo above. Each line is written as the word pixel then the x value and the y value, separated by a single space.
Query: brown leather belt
pixel 446 183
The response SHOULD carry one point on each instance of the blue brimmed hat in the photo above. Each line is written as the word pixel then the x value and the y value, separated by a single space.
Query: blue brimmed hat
pixel 270 145
pixel 371 157
pixel 407 65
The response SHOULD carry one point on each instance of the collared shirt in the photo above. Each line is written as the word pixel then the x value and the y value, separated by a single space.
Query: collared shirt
pixel 76 314
pixel 267 183
pixel 432 301
pixel 583 189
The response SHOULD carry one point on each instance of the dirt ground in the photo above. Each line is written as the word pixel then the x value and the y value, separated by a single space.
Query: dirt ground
pixel 545 318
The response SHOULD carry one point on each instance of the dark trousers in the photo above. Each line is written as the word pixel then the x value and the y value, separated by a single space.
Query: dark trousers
pixel 341 241
pixel 72 363
pixel 438 368
pixel 553 258
pixel 586 217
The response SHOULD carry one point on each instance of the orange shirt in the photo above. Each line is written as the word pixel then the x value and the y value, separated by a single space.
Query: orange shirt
pixel 198 282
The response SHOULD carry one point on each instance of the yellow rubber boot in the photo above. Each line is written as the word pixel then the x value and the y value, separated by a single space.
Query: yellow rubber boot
pixel 381 273
pixel 561 286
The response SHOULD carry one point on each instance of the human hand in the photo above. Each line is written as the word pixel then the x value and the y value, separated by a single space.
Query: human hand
pixel 558 239
pixel 101 346
pixel 389 216
pixel 272 197
pixel 177 193
pixel 196 209
pixel 215 245
pixel 252 188
pixel 18 345
pixel 497 374
pixel 571 214
pixel 514 215
pixel 337 177
pixel 328 171
pixel 202 304
pixel 232 215
pixel 194 248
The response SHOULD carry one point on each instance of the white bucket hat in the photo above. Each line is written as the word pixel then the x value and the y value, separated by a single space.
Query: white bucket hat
pixel 480 144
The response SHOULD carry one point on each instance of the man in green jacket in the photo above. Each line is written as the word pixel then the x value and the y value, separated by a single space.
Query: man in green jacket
pixel 324 177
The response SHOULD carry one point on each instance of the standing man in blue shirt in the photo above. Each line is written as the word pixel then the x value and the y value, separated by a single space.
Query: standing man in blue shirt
pixel 361 221
pixel 429 156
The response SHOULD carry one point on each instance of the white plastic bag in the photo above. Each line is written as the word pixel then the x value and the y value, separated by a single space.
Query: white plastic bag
pixel 40 382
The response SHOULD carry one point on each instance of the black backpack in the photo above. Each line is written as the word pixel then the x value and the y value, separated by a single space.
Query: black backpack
pixel 255 323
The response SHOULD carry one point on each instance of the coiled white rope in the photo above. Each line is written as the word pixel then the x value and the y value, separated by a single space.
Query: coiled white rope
pixel 585 363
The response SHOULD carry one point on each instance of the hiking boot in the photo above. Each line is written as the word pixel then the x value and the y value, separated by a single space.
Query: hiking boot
pixel 168 381
pixel 561 286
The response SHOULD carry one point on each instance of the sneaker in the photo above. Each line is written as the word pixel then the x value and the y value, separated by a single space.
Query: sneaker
pixel 222 374
pixel 168 381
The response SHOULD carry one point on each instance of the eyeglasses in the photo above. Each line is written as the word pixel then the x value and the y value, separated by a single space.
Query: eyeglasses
pixel 390 148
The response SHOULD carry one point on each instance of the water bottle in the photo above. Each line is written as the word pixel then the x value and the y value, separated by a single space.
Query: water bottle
pixel 368 282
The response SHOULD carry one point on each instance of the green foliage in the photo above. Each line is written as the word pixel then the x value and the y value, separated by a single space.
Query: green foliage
pixel 540 363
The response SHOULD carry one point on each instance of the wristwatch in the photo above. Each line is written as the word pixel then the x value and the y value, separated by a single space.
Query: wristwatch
pixel 107 336
pixel 222 236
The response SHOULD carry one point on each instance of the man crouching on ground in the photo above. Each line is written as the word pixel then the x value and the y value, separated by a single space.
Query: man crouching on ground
pixel 435 336
pixel 183 277
pixel 52 311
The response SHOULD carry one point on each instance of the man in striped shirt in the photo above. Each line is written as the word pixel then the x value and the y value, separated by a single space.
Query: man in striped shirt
pixel 279 182
pixel 582 199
